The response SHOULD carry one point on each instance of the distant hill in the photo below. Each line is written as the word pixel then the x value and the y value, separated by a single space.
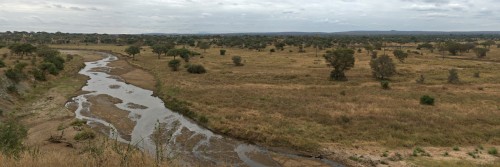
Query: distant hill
pixel 366 33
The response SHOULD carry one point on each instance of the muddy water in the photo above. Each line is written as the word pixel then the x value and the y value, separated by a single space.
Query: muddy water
pixel 184 140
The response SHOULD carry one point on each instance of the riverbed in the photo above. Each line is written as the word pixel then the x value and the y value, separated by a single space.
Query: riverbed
pixel 131 114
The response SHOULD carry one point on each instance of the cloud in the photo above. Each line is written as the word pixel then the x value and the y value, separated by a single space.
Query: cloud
pixel 192 16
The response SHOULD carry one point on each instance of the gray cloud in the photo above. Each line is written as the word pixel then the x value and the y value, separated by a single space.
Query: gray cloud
pixel 192 16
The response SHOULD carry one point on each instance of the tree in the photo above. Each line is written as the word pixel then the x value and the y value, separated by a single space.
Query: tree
pixel 487 44
pixel 159 49
pixel 481 52
pixel 174 64
pixel 382 67
pixel 45 51
pixel 204 46
pixel 341 60
pixel 368 48
pixel 400 55
pixel 237 61
pixel 22 49
pixel 132 51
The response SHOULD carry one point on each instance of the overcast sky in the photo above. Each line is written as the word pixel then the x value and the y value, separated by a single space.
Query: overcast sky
pixel 226 16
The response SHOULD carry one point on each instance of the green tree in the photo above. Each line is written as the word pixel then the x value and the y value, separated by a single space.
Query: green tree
pixel 174 64
pixel 382 67
pixel 45 51
pixel 341 60
pixel 481 52
pixel 22 49
pixel 132 51
pixel 204 46
pixel 400 55
pixel 159 49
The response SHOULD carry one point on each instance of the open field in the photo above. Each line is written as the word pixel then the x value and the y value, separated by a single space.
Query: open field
pixel 285 99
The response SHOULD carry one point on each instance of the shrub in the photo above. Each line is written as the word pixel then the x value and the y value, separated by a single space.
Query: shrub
pixel 456 148
pixel 493 151
pixel 222 52
pixel 237 61
pixel 78 122
pixel 427 100
pixel 203 119
pixel 2 64
pixel 196 69
pixel 50 67
pixel 174 64
pixel 272 50
pixel 39 75
pixel 453 77
pixel 57 60
pixel 385 84
pixel 12 89
pixel 85 135
pixel 12 134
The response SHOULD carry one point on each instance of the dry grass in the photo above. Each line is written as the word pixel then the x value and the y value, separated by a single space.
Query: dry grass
pixel 97 153
pixel 286 99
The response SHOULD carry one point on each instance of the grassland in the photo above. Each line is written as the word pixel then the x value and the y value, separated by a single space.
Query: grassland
pixel 285 99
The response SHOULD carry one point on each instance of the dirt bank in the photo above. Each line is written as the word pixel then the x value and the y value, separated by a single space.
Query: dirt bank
pixel 104 107
pixel 132 75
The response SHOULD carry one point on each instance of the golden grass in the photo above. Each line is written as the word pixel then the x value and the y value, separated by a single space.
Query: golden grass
pixel 98 153
pixel 286 99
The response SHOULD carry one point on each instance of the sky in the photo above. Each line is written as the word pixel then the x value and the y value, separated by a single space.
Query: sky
pixel 233 16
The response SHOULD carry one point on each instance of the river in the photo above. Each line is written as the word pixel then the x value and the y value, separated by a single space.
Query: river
pixel 186 141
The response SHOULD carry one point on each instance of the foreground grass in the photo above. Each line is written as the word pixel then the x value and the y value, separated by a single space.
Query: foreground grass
pixel 285 99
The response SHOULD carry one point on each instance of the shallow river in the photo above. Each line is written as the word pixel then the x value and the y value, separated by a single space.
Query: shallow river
pixel 186 141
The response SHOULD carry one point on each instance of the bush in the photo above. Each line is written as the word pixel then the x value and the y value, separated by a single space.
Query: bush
pixel 50 67
pixel 453 77
pixel 385 84
pixel 12 89
pixel 237 60
pixel 427 100
pixel 2 64
pixel 493 151
pixel 85 135
pixel 39 75
pixel 11 138
pixel 196 69
pixel 78 122
pixel 174 64
pixel 222 52
pixel 203 119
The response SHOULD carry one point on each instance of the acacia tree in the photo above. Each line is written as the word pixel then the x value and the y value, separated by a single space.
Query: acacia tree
pixel 132 51
pixel 481 52
pixel 204 46
pixel 341 60
pixel 400 55
pixel 22 49
pixel 382 67
pixel 159 49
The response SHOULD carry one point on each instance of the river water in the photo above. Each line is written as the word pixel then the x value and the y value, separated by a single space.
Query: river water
pixel 193 145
